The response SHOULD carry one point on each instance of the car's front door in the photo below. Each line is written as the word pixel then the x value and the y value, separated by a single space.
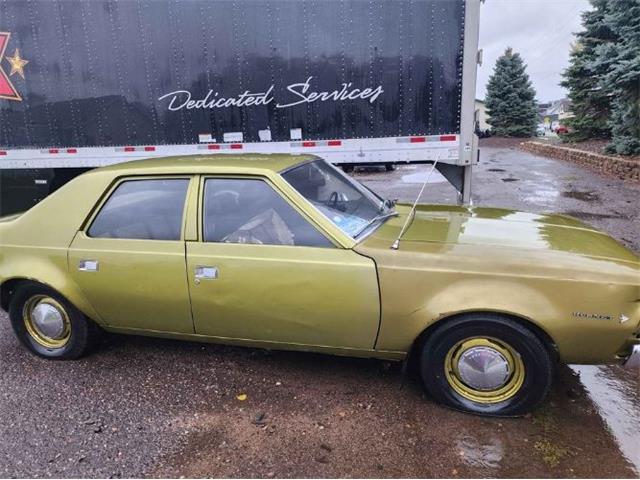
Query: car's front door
pixel 130 258
pixel 262 272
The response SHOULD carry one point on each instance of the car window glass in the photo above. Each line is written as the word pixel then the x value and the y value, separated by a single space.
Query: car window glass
pixel 250 211
pixel 342 200
pixel 143 209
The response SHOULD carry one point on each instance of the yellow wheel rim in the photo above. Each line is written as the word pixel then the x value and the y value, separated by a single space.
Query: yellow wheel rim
pixel 484 369
pixel 47 321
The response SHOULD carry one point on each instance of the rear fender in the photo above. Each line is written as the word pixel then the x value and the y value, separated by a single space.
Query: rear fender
pixel 50 270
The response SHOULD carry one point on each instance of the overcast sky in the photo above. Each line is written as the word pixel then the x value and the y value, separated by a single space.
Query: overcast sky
pixel 540 30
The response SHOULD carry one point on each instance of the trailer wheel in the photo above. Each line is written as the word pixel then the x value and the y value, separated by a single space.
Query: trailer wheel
pixel 348 168
pixel 487 364
pixel 389 167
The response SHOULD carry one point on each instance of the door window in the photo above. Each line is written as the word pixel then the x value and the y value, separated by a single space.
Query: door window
pixel 143 209
pixel 250 211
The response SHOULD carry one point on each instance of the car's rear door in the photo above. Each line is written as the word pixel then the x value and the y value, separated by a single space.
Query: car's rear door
pixel 129 259
pixel 262 272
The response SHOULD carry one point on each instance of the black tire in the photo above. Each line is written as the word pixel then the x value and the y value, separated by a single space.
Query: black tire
pixel 536 359
pixel 348 168
pixel 83 333
pixel 389 167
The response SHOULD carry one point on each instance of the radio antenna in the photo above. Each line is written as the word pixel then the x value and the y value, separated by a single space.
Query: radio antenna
pixel 396 244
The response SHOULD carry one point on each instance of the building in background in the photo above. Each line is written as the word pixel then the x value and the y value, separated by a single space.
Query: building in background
pixel 553 113
pixel 482 126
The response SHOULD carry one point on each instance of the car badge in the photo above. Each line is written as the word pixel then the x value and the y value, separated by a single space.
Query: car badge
pixel 591 316
pixel 623 318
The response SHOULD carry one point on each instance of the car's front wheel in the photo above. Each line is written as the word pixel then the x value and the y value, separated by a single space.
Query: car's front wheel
pixel 48 325
pixel 486 364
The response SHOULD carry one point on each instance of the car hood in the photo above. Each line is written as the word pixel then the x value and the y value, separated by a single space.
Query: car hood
pixel 500 228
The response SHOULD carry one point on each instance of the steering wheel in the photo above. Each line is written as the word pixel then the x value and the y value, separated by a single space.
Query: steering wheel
pixel 336 201
pixel 333 200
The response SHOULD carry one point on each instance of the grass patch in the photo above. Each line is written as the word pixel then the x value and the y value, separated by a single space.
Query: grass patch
pixel 550 452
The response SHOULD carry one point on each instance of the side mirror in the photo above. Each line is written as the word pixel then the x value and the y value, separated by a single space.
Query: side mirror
pixel 390 202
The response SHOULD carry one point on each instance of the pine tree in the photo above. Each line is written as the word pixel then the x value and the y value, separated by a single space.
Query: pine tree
pixel 621 60
pixel 590 103
pixel 510 100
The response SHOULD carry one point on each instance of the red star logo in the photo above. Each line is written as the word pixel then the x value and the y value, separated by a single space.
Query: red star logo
pixel 7 90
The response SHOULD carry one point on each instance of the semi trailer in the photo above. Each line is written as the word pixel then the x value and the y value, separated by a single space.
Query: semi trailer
pixel 87 83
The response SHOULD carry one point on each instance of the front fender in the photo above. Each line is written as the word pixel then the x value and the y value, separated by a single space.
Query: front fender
pixel 405 317
pixel 497 295
pixel 580 317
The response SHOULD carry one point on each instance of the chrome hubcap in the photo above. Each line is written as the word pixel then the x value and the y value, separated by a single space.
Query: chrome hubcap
pixel 48 320
pixel 483 368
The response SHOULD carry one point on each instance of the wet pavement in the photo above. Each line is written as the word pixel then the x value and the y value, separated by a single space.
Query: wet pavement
pixel 150 407
pixel 615 393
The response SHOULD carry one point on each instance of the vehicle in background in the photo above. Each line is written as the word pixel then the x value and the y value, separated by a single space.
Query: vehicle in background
pixel 558 128
pixel 541 130
pixel 393 83
pixel 351 167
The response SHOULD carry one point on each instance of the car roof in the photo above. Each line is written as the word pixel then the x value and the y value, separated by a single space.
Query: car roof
pixel 217 163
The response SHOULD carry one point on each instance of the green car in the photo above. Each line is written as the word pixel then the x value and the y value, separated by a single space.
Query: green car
pixel 288 252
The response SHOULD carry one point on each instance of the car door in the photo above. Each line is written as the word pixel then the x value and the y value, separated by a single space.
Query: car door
pixel 129 260
pixel 262 272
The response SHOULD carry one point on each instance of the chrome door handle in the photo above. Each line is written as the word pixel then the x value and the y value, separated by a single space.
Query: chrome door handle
pixel 205 273
pixel 88 265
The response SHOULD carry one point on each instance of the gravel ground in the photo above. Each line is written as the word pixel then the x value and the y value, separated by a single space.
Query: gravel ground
pixel 149 407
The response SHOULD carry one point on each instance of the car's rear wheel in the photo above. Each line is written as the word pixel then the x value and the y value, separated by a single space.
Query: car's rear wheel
pixel 48 325
pixel 487 364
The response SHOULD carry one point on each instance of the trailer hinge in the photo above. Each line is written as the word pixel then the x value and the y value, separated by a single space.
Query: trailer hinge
pixel 480 55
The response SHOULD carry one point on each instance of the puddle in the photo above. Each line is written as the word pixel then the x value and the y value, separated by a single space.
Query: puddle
pixel 614 391
pixel 583 196
pixel 590 216
pixel 543 195
pixel 420 177
pixel 476 454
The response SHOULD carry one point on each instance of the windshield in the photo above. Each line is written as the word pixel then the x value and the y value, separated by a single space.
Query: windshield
pixel 341 199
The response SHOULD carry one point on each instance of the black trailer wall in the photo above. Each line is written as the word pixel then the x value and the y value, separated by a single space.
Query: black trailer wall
pixel 98 70
pixel 21 189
